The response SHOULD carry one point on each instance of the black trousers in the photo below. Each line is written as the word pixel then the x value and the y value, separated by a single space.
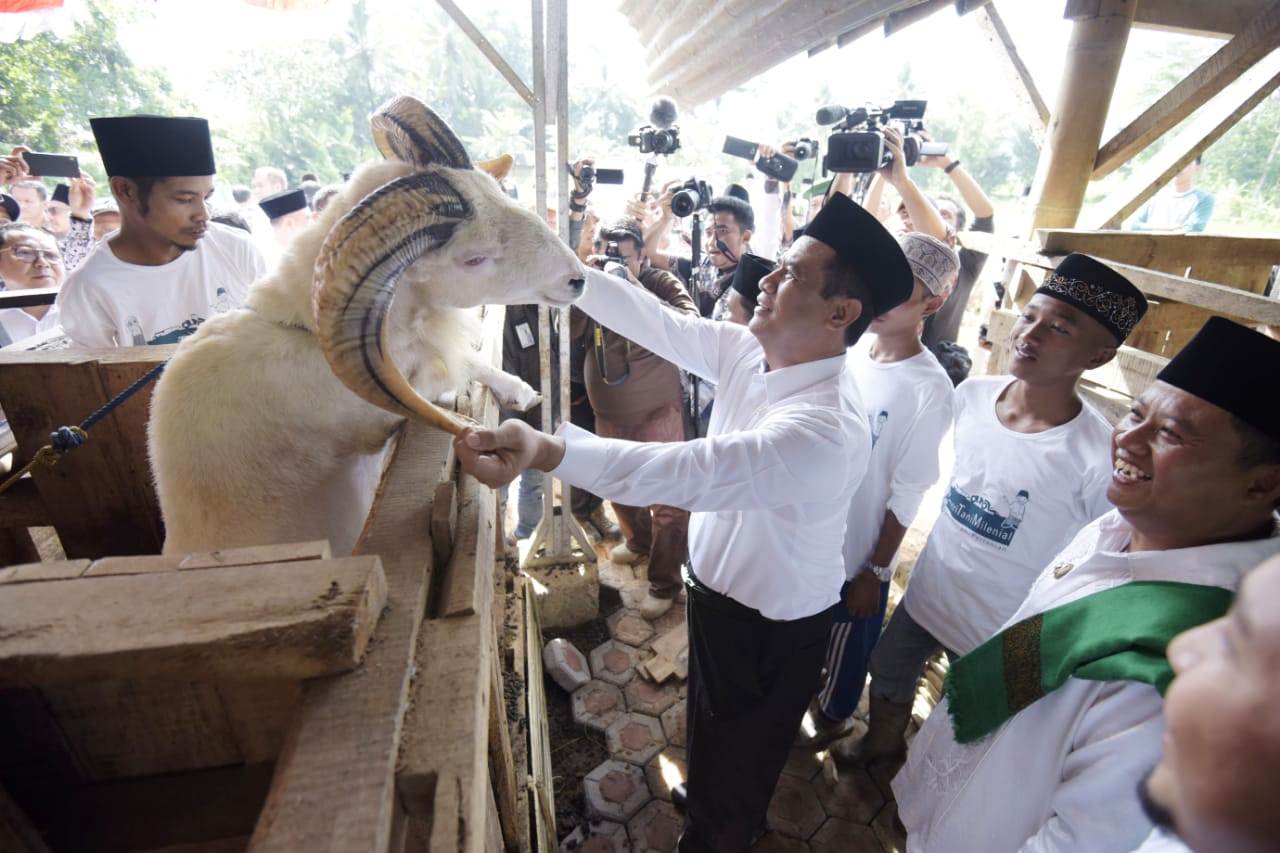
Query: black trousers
pixel 750 680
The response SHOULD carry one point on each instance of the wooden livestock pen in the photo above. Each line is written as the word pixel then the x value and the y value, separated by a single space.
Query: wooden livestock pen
pixel 270 698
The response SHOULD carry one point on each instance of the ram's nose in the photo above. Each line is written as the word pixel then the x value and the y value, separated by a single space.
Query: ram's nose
pixel 577 285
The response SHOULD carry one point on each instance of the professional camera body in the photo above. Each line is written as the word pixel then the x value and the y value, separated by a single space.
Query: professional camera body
pixel 654 140
pixel 692 195
pixel 856 143
pixel 614 263
pixel 779 166
pixel 804 148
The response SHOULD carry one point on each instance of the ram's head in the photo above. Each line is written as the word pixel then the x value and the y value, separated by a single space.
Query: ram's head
pixel 447 226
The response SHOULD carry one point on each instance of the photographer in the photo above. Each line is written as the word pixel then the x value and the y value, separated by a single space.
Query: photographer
pixel 636 396
pixel 945 325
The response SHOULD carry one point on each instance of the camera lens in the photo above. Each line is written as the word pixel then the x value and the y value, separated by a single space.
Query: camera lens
pixel 911 149
pixel 684 202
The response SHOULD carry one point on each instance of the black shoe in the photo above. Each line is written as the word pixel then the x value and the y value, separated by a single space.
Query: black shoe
pixel 680 797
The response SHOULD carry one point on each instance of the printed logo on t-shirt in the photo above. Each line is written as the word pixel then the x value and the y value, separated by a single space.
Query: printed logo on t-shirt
pixel 877 426
pixel 177 333
pixel 975 513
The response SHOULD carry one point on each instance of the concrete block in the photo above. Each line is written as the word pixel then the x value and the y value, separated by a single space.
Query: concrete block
pixel 597 705
pixel 568 595
pixel 614 662
pixel 635 738
pixel 565 664
pixel 628 626
pixel 772 842
pixel 645 697
pixel 615 790
pixel 656 829
pixel 854 797
pixel 843 836
pixel 673 724
pixel 597 836
pixel 669 767
pixel 616 576
pixel 795 810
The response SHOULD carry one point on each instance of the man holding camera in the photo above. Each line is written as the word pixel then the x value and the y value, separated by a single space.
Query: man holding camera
pixel 770 486
pixel 636 397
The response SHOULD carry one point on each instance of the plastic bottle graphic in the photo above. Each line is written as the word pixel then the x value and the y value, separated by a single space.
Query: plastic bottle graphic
pixel 135 330
pixel 221 301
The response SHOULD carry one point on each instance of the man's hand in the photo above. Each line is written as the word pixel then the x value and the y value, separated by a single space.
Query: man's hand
pixel 863 597
pixel 664 200
pixel 896 172
pixel 642 211
pixel 933 161
pixel 496 457
pixel 81 195
pixel 575 171
pixel 12 167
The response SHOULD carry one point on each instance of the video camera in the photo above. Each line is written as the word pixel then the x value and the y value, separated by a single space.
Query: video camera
pixel 804 148
pixel 589 176
pixel 857 141
pixel 779 166
pixel 653 140
pixel 692 195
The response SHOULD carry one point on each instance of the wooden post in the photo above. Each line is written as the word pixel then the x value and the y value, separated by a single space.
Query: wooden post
pixel 1084 96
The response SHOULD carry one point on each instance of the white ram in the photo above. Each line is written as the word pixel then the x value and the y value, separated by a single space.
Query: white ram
pixel 254 438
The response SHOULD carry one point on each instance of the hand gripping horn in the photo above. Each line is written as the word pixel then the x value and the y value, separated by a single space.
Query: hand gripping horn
pixel 359 265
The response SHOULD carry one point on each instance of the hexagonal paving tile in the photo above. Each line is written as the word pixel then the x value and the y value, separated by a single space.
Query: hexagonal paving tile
pixel 599 836
pixel 802 763
pixel 645 697
pixel 854 797
pixel 614 662
pixel 669 767
pixel 795 810
pixel 673 617
pixel 772 842
pixel 843 836
pixel 616 576
pixel 656 829
pixel 628 626
pixel 633 593
pixel 597 704
pixel 635 738
pixel 615 790
pixel 673 723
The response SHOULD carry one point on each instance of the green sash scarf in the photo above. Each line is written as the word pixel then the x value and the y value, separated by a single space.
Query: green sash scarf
pixel 1119 634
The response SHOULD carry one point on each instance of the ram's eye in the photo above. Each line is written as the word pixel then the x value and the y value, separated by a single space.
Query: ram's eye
pixel 476 261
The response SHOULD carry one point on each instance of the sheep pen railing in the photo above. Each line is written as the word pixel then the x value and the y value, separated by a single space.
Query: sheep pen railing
pixel 268 698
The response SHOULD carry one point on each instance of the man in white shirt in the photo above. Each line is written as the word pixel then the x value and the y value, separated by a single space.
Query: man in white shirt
pixel 768 487
pixel 908 401
pixel 1047 728
pixel 29 260
pixel 1030 471
pixel 1215 787
pixel 168 268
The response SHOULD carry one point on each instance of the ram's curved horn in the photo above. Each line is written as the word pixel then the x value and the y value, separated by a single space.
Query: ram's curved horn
pixel 498 167
pixel 408 130
pixel 357 270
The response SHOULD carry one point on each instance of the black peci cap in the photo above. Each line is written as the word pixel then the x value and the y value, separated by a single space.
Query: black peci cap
pixel 746 277
pixel 154 146
pixel 862 242
pixel 61 193
pixel 1099 291
pixel 283 203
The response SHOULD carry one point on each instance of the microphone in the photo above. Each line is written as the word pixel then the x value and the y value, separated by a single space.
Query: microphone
pixel 663 113
pixel 830 114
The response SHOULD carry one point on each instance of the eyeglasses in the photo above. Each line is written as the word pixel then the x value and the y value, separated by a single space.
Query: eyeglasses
pixel 24 255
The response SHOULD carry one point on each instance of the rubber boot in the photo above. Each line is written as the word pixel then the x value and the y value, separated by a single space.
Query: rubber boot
pixel 885 739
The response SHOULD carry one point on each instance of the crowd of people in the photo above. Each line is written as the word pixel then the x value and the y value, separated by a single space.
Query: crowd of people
pixel 765 412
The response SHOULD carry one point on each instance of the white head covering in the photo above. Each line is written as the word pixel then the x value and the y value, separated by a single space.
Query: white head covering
pixel 932 261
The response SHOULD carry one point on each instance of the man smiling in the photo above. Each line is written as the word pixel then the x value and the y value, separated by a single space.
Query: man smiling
pixel 768 488
pixel 1047 728
pixel 168 268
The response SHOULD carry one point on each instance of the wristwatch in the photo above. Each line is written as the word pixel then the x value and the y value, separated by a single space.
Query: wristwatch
pixel 883 573
pixel 950 167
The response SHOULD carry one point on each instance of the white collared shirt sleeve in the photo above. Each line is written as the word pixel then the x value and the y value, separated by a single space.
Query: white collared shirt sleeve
pixel 1095 806
pixel 794 456
pixel 691 343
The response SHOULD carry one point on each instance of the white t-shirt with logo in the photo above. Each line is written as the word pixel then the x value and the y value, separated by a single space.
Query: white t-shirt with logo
pixel 1014 501
pixel 108 302
pixel 909 407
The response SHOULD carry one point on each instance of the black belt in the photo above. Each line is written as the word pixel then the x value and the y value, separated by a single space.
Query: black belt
pixel 708 597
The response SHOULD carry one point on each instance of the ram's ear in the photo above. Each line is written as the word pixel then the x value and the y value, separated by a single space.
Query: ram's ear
pixel 359 265
pixel 498 167
pixel 408 130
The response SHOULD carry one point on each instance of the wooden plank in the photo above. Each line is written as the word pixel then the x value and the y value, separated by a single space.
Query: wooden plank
pixel 334 783
pixel 520 726
pixel 502 770
pixel 1237 56
pixel 468 581
pixel 17 547
pixel 284 620
pixel 100 496
pixel 283 553
pixel 1130 372
pixel 541 784
pixel 897 21
pixel 37 572
pixel 142 565
pixel 1220 18
pixel 22 506
pixel 1213 120
pixel 260 713
pixel 1024 86
pixel 1111 404
pixel 444 522
pixel 1175 253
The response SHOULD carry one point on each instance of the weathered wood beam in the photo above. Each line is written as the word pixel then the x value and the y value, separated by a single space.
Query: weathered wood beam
pixel 22 506
pixel 1094 52
pixel 1173 253
pixel 287 620
pixel 847 38
pixel 1222 18
pixel 1237 56
pixel 486 47
pixel 1219 116
pixel 897 21
pixel 1024 85
pixel 728 20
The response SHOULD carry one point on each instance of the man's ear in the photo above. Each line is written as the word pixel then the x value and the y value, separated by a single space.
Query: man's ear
pixel 1265 484
pixel 1101 357
pixel 934 304
pixel 844 311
